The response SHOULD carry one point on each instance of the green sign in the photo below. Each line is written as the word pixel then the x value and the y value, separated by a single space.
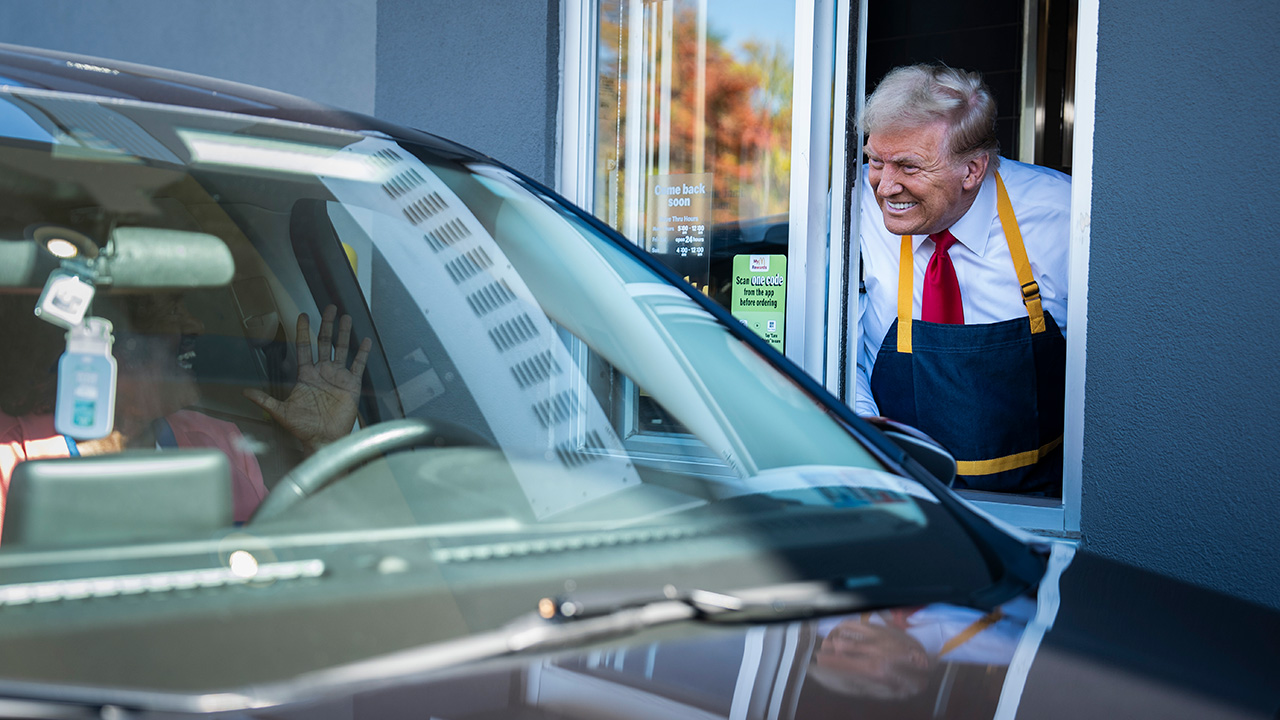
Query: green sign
pixel 760 295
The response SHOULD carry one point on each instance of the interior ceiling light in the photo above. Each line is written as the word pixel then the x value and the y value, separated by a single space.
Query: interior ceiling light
pixel 63 242
pixel 63 248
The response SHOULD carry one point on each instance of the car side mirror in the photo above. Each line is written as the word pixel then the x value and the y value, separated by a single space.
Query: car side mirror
pixel 923 449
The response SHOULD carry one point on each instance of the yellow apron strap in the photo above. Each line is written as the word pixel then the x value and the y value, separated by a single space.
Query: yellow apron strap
pixel 1008 462
pixel 1021 266
pixel 1018 251
pixel 974 628
pixel 906 290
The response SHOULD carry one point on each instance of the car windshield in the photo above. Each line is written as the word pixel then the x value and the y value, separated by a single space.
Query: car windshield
pixel 277 397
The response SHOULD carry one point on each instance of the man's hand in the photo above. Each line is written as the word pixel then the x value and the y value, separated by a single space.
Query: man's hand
pixel 322 406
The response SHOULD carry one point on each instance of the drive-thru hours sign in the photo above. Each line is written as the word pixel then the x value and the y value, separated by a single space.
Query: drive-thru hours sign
pixel 760 295
pixel 679 214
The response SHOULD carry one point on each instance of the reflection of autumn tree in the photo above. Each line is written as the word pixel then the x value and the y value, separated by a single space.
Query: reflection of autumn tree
pixel 771 66
pixel 747 117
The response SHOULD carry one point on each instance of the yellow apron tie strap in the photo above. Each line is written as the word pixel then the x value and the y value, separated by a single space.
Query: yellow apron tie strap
pixel 906 291
pixel 974 628
pixel 1018 251
pixel 1021 266
pixel 1008 462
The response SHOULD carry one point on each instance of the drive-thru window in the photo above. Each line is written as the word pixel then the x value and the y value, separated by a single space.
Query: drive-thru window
pixel 713 134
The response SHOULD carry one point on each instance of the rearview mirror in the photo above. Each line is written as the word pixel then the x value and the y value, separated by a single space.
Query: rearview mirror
pixel 135 257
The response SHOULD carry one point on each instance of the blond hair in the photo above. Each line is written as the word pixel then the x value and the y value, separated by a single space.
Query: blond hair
pixel 915 95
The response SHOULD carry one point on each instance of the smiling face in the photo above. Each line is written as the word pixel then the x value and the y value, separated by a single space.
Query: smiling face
pixel 919 187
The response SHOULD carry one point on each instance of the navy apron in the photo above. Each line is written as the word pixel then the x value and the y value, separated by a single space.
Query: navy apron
pixel 992 394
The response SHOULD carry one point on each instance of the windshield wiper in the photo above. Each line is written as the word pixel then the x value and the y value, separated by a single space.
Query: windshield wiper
pixel 575 619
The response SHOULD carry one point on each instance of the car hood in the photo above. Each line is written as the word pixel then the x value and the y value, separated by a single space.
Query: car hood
pixel 1095 638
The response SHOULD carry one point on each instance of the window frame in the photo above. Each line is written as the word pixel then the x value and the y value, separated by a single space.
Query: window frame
pixel 826 354
pixel 815 225
pixel 771 657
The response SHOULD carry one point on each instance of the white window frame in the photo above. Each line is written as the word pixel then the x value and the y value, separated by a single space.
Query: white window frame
pixel 821 33
pixel 811 342
pixel 812 279
pixel 576 116
pixel 840 309
pixel 1078 289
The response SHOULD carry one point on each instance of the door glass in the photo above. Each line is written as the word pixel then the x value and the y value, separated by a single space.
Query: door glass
pixel 693 159
pixel 694 143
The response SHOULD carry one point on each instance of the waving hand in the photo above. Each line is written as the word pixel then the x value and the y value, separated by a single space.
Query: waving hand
pixel 322 406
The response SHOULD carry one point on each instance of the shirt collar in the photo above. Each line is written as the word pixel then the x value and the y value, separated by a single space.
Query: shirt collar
pixel 973 229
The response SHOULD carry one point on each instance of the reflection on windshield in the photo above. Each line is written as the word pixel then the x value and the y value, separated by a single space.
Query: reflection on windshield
pixel 481 305
pixel 505 350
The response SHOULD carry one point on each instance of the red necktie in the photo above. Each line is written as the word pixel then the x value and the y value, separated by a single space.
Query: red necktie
pixel 941 301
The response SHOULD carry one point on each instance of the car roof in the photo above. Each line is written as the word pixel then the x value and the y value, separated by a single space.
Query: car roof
pixel 41 69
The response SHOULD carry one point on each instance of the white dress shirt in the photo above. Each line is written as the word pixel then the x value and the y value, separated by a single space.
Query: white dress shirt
pixel 933 626
pixel 989 286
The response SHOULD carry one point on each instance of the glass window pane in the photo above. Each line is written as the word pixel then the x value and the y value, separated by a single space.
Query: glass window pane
pixel 693 158
pixel 694 135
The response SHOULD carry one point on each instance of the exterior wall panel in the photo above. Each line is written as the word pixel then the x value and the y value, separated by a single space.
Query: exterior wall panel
pixel 1183 383
pixel 485 74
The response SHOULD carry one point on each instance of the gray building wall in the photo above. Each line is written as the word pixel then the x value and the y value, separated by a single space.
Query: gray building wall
pixel 485 74
pixel 319 49
pixel 1182 392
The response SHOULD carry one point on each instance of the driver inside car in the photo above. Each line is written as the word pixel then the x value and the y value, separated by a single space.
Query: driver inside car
pixel 154 351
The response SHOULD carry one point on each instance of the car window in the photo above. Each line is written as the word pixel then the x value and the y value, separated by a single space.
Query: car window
pixel 460 393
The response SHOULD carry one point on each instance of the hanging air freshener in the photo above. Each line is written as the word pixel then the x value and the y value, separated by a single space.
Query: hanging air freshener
pixel 86 403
